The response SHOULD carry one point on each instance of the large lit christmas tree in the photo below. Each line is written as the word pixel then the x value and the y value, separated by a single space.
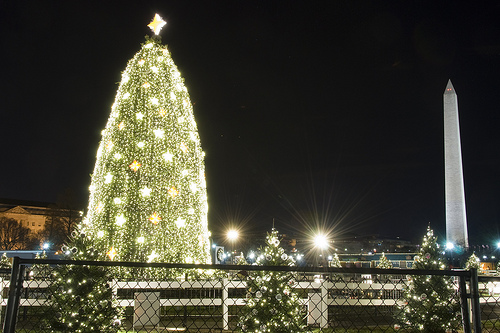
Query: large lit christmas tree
pixel 432 300
pixel 272 305
pixel 148 198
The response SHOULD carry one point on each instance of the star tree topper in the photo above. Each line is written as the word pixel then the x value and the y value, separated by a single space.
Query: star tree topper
pixel 157 24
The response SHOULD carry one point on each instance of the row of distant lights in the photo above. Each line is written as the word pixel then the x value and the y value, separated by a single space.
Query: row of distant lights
pixel 451 246
pixel 252 256
pixel 320 241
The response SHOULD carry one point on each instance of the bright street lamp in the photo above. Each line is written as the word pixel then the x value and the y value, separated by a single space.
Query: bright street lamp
pixel 321 242
pixel 232 235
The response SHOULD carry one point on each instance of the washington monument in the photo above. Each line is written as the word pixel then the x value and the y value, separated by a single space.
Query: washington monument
pixel 456 221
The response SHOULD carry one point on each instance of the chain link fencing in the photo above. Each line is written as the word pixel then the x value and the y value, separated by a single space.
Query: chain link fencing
pixel 489 302
pixel 85 296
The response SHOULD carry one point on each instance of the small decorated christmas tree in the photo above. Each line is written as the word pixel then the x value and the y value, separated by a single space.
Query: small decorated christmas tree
pixel 336 261
pixel 241 260
pixel 5 262
pixel 40 271
pixel 473 262
pixel 82 296
pixel 272 305
pixel 384 262
pixel 432 301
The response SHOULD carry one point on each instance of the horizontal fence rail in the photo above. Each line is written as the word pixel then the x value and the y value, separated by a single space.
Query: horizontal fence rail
pixel 232 298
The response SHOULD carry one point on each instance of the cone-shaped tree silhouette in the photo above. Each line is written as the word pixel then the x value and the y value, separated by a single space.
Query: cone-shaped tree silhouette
pixel 432 300
pixel 5 262
pixel 148 198
pixel 384 262
pixel 473 262
pixel 272 304
pixel 82 298
pixel 336 261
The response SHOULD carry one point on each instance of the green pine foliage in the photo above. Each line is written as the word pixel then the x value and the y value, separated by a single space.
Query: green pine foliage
pixel 81 295
pixel 384 262
pixel 473 262
pixel 432 301
pixel 272 305
pixel 148 200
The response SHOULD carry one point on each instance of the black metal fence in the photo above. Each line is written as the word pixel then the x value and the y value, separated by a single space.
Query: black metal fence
pixel 85 296
pixel 489 301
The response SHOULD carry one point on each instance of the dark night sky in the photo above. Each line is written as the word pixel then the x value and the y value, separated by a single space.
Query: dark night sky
pixel 312 113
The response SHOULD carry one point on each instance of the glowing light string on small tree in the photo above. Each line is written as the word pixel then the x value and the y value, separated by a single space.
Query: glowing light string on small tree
pixel 272 304
pixel 432 300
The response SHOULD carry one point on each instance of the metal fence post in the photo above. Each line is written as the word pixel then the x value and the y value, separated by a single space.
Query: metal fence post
pixel 476 309
pixel 225 308
pixel 324 305
pixel 464 304
pixel 114 286
pixel 15 286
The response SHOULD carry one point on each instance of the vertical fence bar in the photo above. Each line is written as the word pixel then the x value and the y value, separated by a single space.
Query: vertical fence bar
pixel 225 308
pixel 114 287
pixel 324 305
pixel 15 286
pixel 462 287
pixel 25 273
pixel 476 309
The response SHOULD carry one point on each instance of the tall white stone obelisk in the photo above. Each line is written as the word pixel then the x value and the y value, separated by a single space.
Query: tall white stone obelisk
pixel 456 221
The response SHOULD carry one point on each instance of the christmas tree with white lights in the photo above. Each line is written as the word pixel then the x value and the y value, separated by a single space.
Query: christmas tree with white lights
pixel 5 262
pixel 473 262
pixel 432 300
pixel 82 298
pixel 384 262
pixel 336 261
pixel 272 305
pixel 148 200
